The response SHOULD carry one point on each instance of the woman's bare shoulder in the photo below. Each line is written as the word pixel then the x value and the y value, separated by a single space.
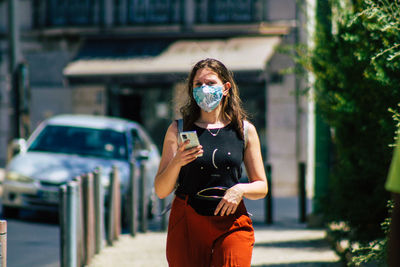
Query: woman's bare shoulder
pixel 173 128
pixel 250 127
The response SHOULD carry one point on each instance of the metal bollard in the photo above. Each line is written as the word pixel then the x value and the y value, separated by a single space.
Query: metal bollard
pixel 80 222
pixel 62 213
pixel 88 216
pixel 132 200
pixel 98 210
pixel 3 243
pixel 302 192
pixel 117 210
pixel 114 212
pixel 71 230
pixel 110 213
pixel 143 197
pixel 268 198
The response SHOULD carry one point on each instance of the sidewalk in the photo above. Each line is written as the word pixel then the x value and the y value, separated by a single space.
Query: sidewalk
pixel 285 243
pixel 275 246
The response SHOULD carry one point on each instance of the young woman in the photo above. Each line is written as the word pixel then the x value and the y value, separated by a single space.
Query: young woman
pixel 207 227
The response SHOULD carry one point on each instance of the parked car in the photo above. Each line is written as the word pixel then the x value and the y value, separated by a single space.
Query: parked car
pixel 66 146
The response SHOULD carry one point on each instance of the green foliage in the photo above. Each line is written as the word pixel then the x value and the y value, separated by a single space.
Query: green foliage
pixel 396 118
pixel 376 250
pixel 385 15
pixel 357 80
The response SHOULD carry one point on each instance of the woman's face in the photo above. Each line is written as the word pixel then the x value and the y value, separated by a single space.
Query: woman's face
pixel 206 77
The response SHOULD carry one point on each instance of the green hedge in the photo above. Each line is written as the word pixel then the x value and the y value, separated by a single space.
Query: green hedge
pixel 357 80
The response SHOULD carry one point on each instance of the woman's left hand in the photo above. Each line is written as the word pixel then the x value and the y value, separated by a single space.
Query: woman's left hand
pixel 230 201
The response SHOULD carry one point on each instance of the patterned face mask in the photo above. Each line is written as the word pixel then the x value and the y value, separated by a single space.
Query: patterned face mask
pixel 208 97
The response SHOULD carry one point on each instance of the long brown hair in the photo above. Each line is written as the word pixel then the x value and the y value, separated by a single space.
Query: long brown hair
pixel 231 104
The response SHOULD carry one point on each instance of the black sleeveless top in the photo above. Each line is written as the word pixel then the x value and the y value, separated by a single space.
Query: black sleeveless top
pixel 220 164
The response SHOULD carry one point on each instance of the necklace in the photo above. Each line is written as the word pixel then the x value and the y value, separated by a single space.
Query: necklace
pixel 214 134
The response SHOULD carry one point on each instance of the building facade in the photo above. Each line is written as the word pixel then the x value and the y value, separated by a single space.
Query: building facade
pixel 130 59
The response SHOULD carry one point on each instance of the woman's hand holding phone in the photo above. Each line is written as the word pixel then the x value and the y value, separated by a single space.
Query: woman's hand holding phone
pixel 184 156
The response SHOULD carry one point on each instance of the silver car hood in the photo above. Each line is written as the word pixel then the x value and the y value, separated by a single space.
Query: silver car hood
pixel 58 168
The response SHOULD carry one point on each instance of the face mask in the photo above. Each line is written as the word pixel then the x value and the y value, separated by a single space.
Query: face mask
pixel 208 97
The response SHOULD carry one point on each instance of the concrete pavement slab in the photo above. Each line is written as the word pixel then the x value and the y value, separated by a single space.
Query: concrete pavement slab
pixel 143 250
pixel 284 245
pixel 293 245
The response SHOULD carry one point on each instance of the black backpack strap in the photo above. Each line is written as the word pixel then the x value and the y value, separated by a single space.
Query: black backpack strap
pixel 180 125
pixel 180 128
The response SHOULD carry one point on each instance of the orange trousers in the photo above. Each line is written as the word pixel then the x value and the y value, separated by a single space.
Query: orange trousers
pixel 208 241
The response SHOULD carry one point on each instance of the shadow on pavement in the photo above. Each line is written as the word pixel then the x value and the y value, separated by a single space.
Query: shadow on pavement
pixel 303 264
pixel 314 244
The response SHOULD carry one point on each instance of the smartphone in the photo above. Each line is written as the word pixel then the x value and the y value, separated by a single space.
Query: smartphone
pixel 192 137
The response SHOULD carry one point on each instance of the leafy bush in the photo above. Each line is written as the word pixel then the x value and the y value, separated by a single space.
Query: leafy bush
pixel 375 251
pixel 357 79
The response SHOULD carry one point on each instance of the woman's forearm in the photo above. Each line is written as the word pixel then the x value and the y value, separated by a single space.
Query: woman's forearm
pixel 165 181
pixel 254 190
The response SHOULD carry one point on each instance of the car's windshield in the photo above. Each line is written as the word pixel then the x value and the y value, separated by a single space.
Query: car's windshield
pixel 82 141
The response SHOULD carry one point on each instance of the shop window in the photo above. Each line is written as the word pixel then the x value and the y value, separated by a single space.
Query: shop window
pixel 276 78
pixel 228 11
pixel 147 12
pixel 61 13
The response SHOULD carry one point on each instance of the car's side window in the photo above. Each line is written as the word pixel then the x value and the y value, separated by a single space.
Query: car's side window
pixel 138 142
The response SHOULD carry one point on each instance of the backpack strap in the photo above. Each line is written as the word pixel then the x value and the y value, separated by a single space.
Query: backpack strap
pixel 180 125
pixel 245 132
pixel 180 128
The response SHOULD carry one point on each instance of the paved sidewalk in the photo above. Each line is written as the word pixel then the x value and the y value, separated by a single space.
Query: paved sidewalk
pixel 277 245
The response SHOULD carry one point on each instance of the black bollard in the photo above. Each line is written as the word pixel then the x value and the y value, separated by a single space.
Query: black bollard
pixel 132 200
pixel 268 198
pixel 143 199
pixel 302 192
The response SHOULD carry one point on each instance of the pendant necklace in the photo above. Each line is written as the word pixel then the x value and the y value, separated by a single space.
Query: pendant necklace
pixel 214 134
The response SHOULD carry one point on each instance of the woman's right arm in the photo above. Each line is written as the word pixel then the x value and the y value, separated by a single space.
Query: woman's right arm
pixel 173 157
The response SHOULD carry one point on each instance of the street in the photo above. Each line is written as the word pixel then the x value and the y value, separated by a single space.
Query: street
pixel 33 240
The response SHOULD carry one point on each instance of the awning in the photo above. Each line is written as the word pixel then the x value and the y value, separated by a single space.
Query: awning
pixel 238 54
